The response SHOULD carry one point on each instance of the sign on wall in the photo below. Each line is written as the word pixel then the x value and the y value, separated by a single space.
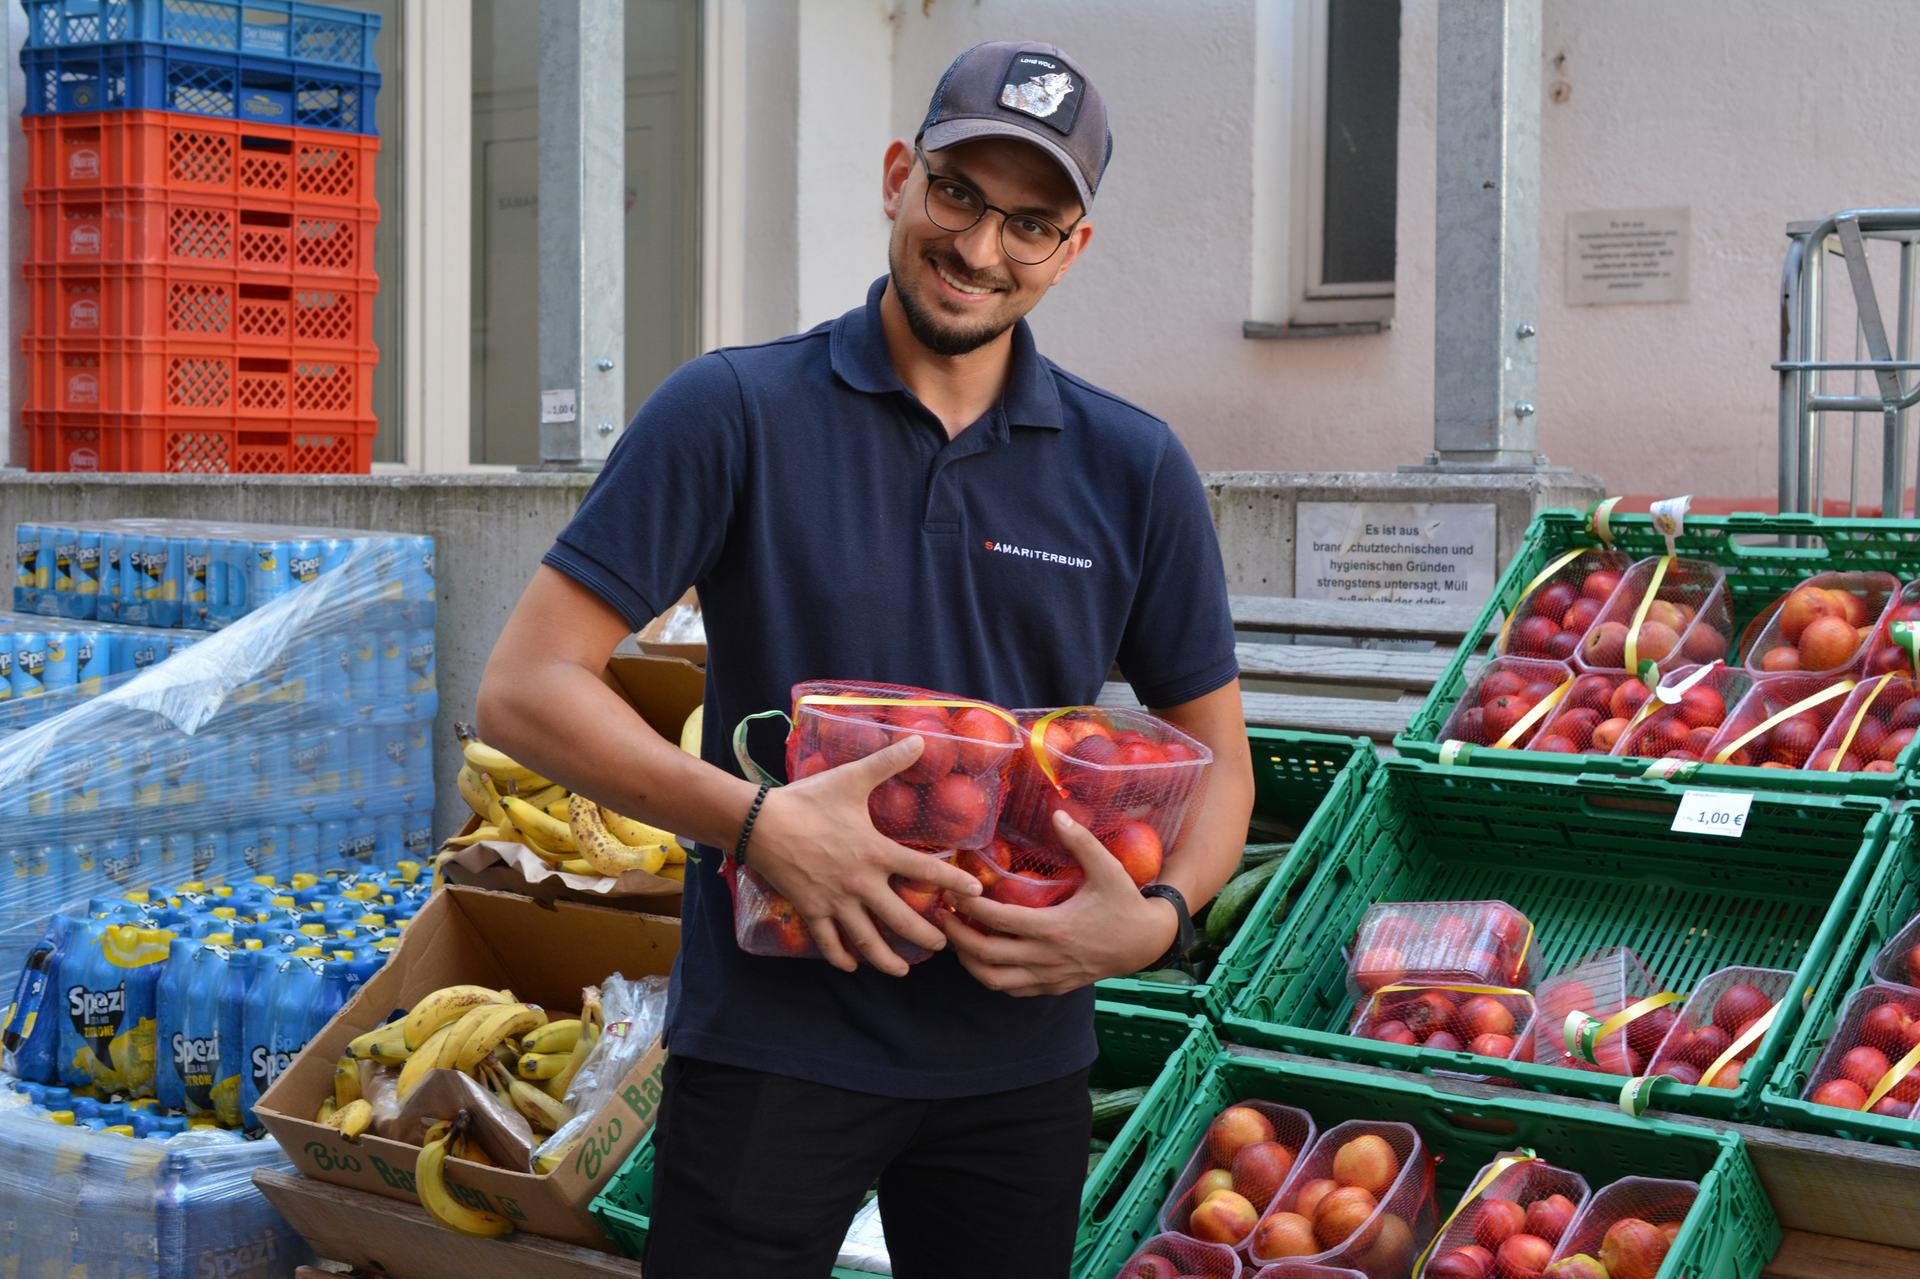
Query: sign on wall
pixel 1407 552
pixel 1629 255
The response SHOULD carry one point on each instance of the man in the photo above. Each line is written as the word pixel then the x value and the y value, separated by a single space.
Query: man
pixel 907 495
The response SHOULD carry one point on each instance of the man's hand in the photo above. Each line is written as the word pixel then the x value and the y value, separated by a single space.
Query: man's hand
pixel 1106 929
pixel 815 843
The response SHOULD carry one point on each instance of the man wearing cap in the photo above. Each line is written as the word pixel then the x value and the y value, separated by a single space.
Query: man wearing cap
pixel 912 495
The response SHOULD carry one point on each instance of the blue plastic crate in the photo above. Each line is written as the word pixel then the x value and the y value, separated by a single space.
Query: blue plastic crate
pixel 306 33
pixel 141 76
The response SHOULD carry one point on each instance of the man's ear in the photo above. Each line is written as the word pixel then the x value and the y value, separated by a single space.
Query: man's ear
pixel 897 168
pixel 1077 240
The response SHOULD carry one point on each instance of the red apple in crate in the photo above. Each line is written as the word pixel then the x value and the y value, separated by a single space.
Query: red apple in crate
pixel 1591 691
pixel 1549 1218
pixel 1656 641
pixel 1381 966
pixel 956 807
pixel 1491 1045
pixel 1211 1180
pixel 1605 644
pixel 1823 761
pixel 1645 1032
pixel 1234 1127
pixel 1776 660
pixel 1485 1015
pixel 1091 785
pixel 1893 743
pixel 1885 661
pixel 1500 684
pixel 1258 1170
pixel 1703 644
pixel 1497 1221
pixel 1461 1263
pixel 1522 1257
pixel 1794 741
pixel 1804 606
pixel 1394 1032
pixel 1503 713
pixel 1843 1093
pixel 1306 1200
pixel 1578 1266
pixel 1633 1249
pixel 1553 600
pixel 1628 698
pixel 1582 614
pixel 1738 1005
pixel 1600 584
pixel 1444 1041
pixel 1285 1234
pixel 1472 727
pixel 1539 690
pixel 1607 733
pixel 1149 1267
pixel 1905 715
pixel 937 753
pixel 1848 605
pixel 1702 707
pixel 1865 1066
pixel 1668 614
pixel 1426 1012
pixel 1531 636
pixel 1892 1106
pixel 1223 1217
pixel 1560 648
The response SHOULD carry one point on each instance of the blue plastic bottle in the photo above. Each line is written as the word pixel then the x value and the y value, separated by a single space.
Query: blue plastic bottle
pixel 31 1034
pixel 229 1005
pixel 170 1017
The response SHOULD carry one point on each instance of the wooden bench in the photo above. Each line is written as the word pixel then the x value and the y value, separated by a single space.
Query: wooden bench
pixel 1314 686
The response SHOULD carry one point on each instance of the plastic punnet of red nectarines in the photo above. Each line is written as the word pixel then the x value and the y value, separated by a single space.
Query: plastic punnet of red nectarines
pixel 1248 1153
pixel 1479 943
pixel 1604 983
pixel 1120 773
pixel 1714 1019
pixel 1550 619
pixel 1020 876
pixel 1487 1021
pixel 1898 963
pixel 1307 1270
pixel 1630 1225
pixel 766 923
pixel 1883 652
pixel 1823 625
pixel 1585 721
pixel 1760 732
pixel 1875 723
pixel 948 798
pixel 1177 1257
pixel 1528 1197
pixel 1688 620
pixel 1501 697
pixel 1361 1197
pixel 1681 730
pixel 1878 1027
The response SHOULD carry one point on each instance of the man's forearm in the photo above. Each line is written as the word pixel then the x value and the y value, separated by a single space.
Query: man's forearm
pixel 1201 866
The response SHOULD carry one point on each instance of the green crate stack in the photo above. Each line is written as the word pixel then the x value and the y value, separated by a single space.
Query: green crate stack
pixel 1761 564
pixel 1310 781
pixel 1592 862
pixel 1166 1053
pixel 1891 899
pixel 1730 1234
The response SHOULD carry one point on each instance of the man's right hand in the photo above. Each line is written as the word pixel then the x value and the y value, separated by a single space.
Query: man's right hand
pixel 816 844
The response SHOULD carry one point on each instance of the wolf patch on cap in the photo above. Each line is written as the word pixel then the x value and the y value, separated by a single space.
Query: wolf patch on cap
pixel 1028 91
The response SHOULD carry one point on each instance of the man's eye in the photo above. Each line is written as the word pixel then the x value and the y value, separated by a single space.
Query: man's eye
pixel 955 194
pixel 1030 227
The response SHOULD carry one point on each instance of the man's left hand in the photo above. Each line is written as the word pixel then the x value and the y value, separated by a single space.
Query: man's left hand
pixel 1106 929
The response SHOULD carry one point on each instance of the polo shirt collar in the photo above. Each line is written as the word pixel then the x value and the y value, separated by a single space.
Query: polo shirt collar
pixel 858 347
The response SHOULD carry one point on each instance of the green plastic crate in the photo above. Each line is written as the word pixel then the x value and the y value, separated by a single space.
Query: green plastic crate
pixel 1757 574
pixel 1139 1047
pixel 1730 1234
pixel 1890 900
pixel 1309 780
pixel 1592 862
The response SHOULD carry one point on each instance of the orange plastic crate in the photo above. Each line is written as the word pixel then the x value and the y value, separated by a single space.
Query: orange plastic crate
pixel 199 155
pixel 159 227
pixel 250 308
pixel 160 443
pixel 125 375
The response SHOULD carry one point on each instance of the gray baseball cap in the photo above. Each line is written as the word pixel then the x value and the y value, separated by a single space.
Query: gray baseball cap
pixel 1028 91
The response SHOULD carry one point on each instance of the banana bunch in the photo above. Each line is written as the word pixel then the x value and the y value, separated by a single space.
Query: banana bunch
pixel 345 1108
pixel 574 834
pixel 446 1139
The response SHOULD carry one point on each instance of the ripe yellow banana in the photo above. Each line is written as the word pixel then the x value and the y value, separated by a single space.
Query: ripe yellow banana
pixel 385 1044
pixel 554 1037
pixel 589 1031
pixel 444 1005
pixel 598 846
pixel 579 866
pixel 458 1033
pixel 430 1182
pixel 346 1082
pixel 675 872
pixel 485 759
pixel 535 822
pixel 353 1119
pixel 541 1066
pixel 426 1057
pixel 691 730
pixel 546 796
pixel 468 780
pixel 541 1110
pixel 495 1025
pixel 632 833
pixel 544 1164
pixel 327 1110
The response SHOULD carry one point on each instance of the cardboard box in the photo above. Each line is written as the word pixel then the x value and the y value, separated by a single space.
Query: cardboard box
pixel 663 689
pixel 545 953
pixel 487 865
pixel 648 640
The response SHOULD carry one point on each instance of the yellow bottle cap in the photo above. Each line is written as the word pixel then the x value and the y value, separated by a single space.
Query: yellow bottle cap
pixel 314 930
pixel 140 1103
pixel 197 1124
pixel 284 901
pixel 218 939
pixel 223 891
pixel 225 912
pixel 309 951
pixel 137 895
pixel 372 921
pixel 409 870
pixel 253 943
pixel 191 886
pixel 305 879
pixel 268 880
pixel 61 1117
pixel 125 1130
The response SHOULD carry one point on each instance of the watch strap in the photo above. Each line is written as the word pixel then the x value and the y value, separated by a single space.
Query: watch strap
pixel 1184 939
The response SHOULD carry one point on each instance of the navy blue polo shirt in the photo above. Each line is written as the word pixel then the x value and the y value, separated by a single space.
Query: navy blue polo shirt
pixel 835 532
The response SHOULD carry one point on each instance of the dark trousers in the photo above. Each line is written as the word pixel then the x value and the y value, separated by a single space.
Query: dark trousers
pixel 760 1174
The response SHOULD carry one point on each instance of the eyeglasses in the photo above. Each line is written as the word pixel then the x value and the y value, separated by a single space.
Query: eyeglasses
pixel 952 205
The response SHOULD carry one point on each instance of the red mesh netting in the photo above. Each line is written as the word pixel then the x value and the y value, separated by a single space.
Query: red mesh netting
pixel 1131 778
pixel 1486 1023
pixel 1600 985
pixel 1249 1151
pixel 1031 877
pixel 1500 697
pixel 1552 617
pixel 1878 1026
pixel 1874 724
pixel 766 923
pixel 1686 728
pixel 1175 1257
pixel 1823 625
pixel 1361 1198
pixel 1629 1225
pixel 1306 1270
pixel 1793 742
pixel 1689 620
pixel 1717 1013
pixel 1882 653
pixel 1530 1198
pixel 1898 963
pixel 1483 943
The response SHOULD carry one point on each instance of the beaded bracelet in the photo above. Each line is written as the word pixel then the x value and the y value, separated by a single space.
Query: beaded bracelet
pixel 740 849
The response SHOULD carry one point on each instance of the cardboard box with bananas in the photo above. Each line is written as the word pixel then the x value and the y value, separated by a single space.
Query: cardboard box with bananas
pixel 545 954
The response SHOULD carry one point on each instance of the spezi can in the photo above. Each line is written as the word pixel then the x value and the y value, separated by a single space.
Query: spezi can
pixel 197 563
pixel 304 562
pixel 112 564
pixel 86 573
pixel 26 559
pixel 29 664
pixel 272 575
pixel 92 662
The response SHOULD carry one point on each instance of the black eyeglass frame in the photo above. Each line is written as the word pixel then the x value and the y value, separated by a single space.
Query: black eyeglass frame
pixel 926 202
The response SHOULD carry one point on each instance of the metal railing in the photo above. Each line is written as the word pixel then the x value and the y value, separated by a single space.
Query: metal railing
pixel 1805 327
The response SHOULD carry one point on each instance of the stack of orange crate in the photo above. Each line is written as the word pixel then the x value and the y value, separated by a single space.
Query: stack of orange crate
pixel 202 295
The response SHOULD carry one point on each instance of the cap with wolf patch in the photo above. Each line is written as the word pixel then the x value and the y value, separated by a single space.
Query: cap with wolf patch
pixel 1028 91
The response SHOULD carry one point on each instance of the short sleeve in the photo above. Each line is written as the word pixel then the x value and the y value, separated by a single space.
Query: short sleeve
pixel 655 520
pixel 1178 643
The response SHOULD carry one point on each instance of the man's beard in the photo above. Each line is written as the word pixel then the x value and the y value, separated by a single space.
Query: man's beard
pixel 942 338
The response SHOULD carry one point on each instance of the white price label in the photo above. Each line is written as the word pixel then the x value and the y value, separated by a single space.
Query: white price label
pixel 1714 812
pixel 557 406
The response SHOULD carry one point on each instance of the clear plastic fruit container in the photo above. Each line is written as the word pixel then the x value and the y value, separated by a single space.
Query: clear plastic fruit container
pixel 1379 1230
pixel 1684 729
pixel 1795 639
pixel 1109 769
pixel 1587 705
pixel 1555 607
pixel 766 923
pixel 1306 1270
pixel 1291 1128
pixel 1178 1257
pixel 1485 1021
pixel 1518 1179
pixel 1898 963
pixel 1659 1203
pixel 1882 653
pixel 951 796
pixel 1605 983
pixel 1878 1026
pixel 1501 698
pixel 1876 722
pixel 1714 1018
pixel 1690 620
pixel 1759 732
pixel 1478 943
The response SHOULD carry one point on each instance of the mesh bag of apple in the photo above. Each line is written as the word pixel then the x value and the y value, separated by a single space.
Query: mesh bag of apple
pixel 1479 943
pixel 1509 1223
pixel 1557 609
pixel 1611 994
pixel 1884 650
pixel 1898 963
pixel 1487 1021
pixel 1721 1025
pixel 1177 1257
pixel 1236 1171
pixel 1874 724
pixel 1681 718
pixel 1306 1270
pixel 1623 1231
pixel 1506 703
pixel 1779 723
pixel 1872 1060
pixel 1824 625
pixel 1361 1198
pixel 1665 609
pixel 766 923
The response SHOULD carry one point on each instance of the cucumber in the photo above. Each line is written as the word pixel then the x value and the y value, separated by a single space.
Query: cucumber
pixel 1261 854
pixel 1167 977
pixel 1110 1113
pixel 1230 908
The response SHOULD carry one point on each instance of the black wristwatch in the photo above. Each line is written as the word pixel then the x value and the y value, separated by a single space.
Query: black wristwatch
pixel 1183 941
